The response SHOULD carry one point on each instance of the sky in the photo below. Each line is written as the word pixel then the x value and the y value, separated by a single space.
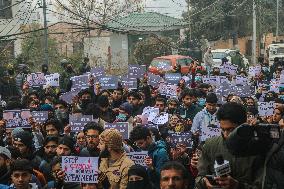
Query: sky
pixel 173 8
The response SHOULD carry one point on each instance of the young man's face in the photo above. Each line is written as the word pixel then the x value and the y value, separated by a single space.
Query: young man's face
pixel 144 143
pixel 160 105
pixel 51 130
pixel 133 101
pixel 50 148
pixel 92 137
pixel 172 179
pixel 63 150
pixel 117 95
pixel 227 127
pixel 211 107
pixel 21 147
pixel 188 100
pixel 21 179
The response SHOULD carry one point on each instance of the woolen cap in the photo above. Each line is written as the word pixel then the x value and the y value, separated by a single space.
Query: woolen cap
pixel 112 138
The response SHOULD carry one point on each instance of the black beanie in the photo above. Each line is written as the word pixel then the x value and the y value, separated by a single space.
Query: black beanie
pixel 68 141
pixel 103 101
pixel 25 137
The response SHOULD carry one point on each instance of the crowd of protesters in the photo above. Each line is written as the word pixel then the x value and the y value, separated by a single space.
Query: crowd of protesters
pixel 31 158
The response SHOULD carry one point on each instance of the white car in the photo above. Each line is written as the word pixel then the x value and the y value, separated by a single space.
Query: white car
pixel 219 54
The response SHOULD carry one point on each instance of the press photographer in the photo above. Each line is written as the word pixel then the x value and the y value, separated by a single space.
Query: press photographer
pixel 245 172
pixel 264 140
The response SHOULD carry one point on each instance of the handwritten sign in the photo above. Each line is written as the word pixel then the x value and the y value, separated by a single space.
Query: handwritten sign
pixel 150 113
pixel 154 80
pixel 240 80
pixel 254 71
pixel 52 80
pixel 17 118
pixel 229 68
pixel 36 79
pixel 122 127
pixel 40 116
pixel 172 78
pixel 109 82
pixel 136 71
pixel 129 83
pixel 266 108
pixel 98 72
pixel 161 119
pixel 182 138
pixel 80 169
pixel 138 157
pixel 212 80
pixel 77 122
pixel 67 97
pixel 168 90
pixel 80 82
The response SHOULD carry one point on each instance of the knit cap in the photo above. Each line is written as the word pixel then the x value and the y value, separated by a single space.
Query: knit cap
pixel 112 138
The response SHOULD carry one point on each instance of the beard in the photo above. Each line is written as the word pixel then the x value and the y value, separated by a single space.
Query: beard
pixel 105 153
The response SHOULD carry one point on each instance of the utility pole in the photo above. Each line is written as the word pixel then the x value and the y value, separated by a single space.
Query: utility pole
pixel 277 22
pixel 46 57
pixel 189 19
pixel 254 34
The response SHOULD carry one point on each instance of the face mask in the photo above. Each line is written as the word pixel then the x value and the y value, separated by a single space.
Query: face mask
pixel 198 78
pixel 281 97
pixel 139 184
pixel 121 117
pixel 266 69
pixel 201 101
pixel 60 114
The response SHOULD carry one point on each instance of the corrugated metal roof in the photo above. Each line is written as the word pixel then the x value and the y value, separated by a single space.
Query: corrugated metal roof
pixel 148 21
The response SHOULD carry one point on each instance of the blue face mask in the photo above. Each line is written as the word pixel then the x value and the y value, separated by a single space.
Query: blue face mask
pixel 201 101
pixel 121 117
pixel 198 78
pixel 281 97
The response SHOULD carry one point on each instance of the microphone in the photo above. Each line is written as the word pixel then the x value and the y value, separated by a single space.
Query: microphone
pixel 222 167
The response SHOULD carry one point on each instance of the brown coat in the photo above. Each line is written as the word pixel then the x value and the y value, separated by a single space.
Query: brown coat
pixel 117 173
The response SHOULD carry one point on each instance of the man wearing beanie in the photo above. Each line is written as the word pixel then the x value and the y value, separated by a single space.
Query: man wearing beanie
pixel 66 146
pixel 23 141
pixel 5 158
pixel 205 123
pixel 114 163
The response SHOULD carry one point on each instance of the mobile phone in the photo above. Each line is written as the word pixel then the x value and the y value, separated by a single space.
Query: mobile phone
pixel 211 180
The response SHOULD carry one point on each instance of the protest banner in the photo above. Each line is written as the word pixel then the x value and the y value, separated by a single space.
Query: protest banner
pixel 254 71
pixel 136 71
pixel 36 79
pixel 138 157
pixel 240 80
pixel 229 68
pixel 67 97
pixel 172 78
pixel 52 80
pixel 98 72
pixel 184 138
pixel 168 90
pixel 129 83
pixel 17 118
pixel 80 169
pixel 150 113
pixel 109 82
pixel 274 85
pixel 212 130
pixel 80 82
pixel 154 80
pixel 40 116
pixel 161 119
pixel 266 108
pixel 212 80
pixel 122 127
pixel 77 122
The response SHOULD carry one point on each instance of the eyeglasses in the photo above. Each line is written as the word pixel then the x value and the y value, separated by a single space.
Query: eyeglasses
pixel 92 136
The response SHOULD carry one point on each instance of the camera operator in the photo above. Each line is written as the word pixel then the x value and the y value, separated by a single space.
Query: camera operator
pixel 245 172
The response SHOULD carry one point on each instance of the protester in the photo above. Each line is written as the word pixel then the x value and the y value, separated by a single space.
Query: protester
pixel 114 163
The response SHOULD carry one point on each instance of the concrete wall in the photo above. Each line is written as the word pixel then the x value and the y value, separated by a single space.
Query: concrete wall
pixel 110 52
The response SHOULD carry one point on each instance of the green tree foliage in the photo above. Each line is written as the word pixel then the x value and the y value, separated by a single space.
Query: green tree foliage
pixel 33 51
pixel 218 19
pixel 152 47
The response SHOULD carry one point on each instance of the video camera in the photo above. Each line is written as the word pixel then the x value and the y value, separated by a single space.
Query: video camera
pixel 248 140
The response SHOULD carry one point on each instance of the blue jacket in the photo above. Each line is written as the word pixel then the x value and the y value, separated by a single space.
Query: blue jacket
pixel 158 152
